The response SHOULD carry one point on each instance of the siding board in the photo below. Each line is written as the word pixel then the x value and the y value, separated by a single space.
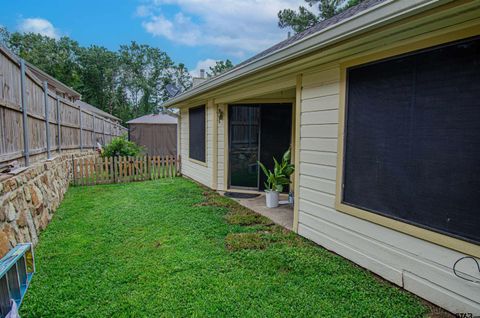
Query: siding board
pixel 198 172
pixel 386 252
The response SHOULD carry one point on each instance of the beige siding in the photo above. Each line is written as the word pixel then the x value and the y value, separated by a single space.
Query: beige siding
pixel 417 265
pixel 199 172
pixel 402 259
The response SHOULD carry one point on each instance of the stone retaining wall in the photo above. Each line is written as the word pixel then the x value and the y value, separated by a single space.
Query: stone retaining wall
pixel 29 199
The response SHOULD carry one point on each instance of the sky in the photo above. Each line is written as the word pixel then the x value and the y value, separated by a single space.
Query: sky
pixel 193 32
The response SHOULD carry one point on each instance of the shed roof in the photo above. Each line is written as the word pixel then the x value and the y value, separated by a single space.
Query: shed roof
pixel 96 110
pixel 154 119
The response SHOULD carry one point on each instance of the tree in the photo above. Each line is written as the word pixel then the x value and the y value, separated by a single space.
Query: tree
pixel 99 76
pixel 179 77
pixel 127 83
pixel 145 71
pixel 4 36
pixel 220 67
pixel 303 19
pixel 57 58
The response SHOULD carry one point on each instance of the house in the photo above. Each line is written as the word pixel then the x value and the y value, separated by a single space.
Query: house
pixel 380 106
pixel 156 132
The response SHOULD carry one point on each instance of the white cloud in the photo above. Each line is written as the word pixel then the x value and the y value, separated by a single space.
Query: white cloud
pixel 39 25
pixel 142 11
pixel 237 27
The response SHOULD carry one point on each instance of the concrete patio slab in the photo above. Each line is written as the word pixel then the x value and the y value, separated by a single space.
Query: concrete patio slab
pixel 283 215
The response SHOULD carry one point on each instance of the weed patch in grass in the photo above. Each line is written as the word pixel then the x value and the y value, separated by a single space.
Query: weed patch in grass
pixel 246 217
pixel 245 241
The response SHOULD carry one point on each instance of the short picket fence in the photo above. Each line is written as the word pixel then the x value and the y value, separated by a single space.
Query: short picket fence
pixel 92 171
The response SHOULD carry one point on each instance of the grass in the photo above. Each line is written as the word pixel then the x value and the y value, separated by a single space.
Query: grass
pixel 170 248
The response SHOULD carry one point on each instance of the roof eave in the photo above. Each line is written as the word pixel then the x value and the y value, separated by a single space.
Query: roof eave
pixel 371 18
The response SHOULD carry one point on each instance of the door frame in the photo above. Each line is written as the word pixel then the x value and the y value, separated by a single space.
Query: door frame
pixel 229 185
pixel 226 122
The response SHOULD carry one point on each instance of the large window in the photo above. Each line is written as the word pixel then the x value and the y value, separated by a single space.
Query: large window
pixel 412 139
pixel 197 133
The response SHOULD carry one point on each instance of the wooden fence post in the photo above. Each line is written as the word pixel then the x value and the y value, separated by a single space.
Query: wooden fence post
pixel 114 169
pixel 103 131
pixel 80 124
pixel 23 84
pixel 94 135
pixel 59 126
pixel 47 118
pixel 149 168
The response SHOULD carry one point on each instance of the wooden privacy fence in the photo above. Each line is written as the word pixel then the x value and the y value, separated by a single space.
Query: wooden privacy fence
pixel 92 171
pixel 36 121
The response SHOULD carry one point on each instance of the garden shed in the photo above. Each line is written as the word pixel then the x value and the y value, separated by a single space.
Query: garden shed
pixel 156 132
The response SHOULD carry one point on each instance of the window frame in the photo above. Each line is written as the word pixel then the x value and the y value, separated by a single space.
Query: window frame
pixel 431 236
pixel 194 160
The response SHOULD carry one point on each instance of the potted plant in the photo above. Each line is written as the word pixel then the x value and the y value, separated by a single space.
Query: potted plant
pixel 277 179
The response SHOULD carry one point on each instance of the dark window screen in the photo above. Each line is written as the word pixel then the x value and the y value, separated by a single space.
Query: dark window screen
pixel 197 133
pixel 412 145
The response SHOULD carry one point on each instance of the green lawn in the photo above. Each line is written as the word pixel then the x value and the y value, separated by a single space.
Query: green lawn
pixel 170 248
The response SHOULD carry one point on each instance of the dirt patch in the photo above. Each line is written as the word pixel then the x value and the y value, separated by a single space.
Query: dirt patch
pixel 245 241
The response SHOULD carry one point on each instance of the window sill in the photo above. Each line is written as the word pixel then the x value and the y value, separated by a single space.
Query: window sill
pixel 198 162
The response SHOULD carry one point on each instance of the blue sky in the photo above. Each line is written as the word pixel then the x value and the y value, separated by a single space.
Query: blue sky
pixel 194 32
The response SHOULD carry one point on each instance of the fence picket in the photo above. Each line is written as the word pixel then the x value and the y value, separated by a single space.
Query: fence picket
pixel 75 173
pixel 82 177
pixel 88 171
pixel 97 171
pixel 130 175
pixel 114 169
pixel 92 171
pixel 168 166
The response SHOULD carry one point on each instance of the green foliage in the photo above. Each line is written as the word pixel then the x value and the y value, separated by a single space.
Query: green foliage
pixel 144 70
pixel 4 36
pixel 298 21
pixel 99 74
pixel 303 19
pixel 220 67
pixel 58 58
pixel 120 146
pixel 128 83
pixel 146 249
pixel 280 176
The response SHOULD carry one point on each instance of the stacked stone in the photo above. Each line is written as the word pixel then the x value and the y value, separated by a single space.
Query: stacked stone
pixel 29 199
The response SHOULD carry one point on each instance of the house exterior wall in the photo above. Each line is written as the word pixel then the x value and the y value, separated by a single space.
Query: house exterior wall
pixel 200 172
pixel 417 265
pixel 420 266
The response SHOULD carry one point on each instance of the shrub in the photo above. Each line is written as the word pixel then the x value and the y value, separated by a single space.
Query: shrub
pixel 120 146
